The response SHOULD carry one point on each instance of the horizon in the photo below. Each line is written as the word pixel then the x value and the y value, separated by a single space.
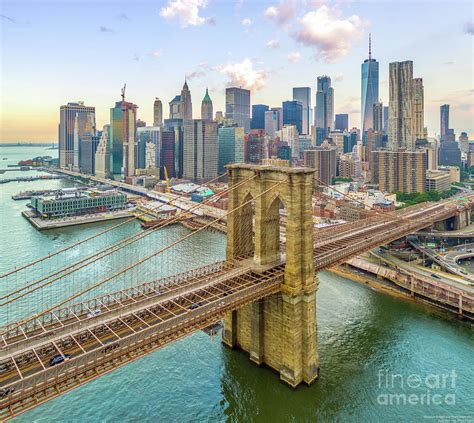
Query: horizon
pixel 269 47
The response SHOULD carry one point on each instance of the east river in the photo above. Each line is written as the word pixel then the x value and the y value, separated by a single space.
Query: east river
pixel 382 358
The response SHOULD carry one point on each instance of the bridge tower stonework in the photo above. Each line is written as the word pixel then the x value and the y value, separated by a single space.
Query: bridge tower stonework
pixel 280 330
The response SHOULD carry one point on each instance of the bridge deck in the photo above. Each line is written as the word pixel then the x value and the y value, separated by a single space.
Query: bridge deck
pixel 108 341
pixel 139 320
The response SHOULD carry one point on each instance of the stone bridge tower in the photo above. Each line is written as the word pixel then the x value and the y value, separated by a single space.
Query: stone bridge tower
pixel 280 330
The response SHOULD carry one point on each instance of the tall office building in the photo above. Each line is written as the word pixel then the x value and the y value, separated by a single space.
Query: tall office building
pixel 449 153
pixel 271 123
pixel 123 132
pixel 279 110
pixel 231 146
pixel 157 112
pixel 255 149
pixel 378 134
pixel 289 135
pixel 102 154
pixel 323 160
pixel 400 114
pixel 200 150
pixel 418 109
pixel 237 106
pixel 385 120
pixel 369 90
pixel 186 104
pixel 176 108
pixel 206 107
pixel 324 110
pixel 341 123
pixel 303 95
pixel 444 125
pixel 175 126
pixel 87 148
pixel 145 136
pixel 73 125
pixel 258 116
pixel 293 114
pixel 377 118
pixel 400 170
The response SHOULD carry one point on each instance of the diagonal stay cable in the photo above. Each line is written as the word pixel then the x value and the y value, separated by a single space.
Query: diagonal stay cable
pixel 62 250
pixel 107 251
pixel 78 294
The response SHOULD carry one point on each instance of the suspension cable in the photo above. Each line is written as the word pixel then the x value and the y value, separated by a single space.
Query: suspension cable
pixel 78 294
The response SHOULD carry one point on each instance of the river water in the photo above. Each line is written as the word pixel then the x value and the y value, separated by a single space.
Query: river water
pixel 382 358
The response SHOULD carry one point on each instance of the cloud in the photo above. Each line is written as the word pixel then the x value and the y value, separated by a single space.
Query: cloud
pixel 244 75
pixel 8 18
pixel 329 33
pixel 448 63
pixel 200 70
pixel 294 57
pixel 283 12
pixel 187 12
pixel 105 29
pixel 246 22
pixel 339 77
pixel 273 44
pixel 123 17
pixel 469 28
pixel 156 54
pixel 136 57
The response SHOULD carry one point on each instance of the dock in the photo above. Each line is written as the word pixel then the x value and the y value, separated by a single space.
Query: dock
pixel 44 224
pixel 31 178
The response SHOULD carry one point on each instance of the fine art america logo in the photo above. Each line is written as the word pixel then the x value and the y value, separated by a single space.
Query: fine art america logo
pixel 416 389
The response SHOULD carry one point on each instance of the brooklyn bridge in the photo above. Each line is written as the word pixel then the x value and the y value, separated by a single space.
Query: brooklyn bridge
pixel 65 326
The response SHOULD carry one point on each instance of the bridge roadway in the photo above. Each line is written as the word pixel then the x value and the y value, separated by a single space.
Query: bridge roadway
pixel 137 321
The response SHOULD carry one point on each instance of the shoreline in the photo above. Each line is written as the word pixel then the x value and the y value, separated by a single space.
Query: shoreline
pixel 390 288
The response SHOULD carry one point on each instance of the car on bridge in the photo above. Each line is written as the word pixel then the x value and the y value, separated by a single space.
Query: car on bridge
pixel 59 359
pixel 6 391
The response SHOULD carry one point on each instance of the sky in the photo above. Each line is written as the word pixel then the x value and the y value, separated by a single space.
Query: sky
pixel 54 52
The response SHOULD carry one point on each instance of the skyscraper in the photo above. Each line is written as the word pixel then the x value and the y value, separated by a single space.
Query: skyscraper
pixel 87 148
pixel 385 120
pixel 303 95
pixel 400 170
pixel 377 117
pixel 444 125
pixel 157 112
pixel 323 160
pixel 418 109
pixel 324 110
pixel 102 155
pixel 258 116
pixel 231 146
pixel 176 108
pixel 341 123
pixel 369 90
pixel 206 107
pixel 293 114
pixel 200 150
pixel 400 114
pixel 73 125
pixel 123 132
pixel 271 123
pixel 237 106
pixel 186 104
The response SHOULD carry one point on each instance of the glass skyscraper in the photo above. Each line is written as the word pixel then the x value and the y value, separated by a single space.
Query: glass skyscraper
pixel 369 90
pixel 444 125
pixel 293 114
pixel 258 116
pixel 76 121
pixel 324 110
pixel 237 106
pixel 231 146
pixel 303 95
pixel 341 122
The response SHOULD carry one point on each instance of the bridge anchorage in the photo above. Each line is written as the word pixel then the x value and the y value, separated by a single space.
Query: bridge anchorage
pixel 279 330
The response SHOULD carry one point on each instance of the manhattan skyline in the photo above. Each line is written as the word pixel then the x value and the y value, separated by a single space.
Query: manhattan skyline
pixel 86 51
